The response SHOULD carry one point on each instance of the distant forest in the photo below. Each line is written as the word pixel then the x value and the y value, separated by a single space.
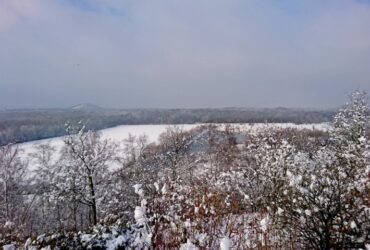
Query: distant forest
pixel 34 124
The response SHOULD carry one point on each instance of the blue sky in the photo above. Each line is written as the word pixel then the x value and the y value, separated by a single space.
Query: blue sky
pixel 189 53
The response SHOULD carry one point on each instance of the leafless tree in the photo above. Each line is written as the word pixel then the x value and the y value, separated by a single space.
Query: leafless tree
pixel 12 174
pixel 86 157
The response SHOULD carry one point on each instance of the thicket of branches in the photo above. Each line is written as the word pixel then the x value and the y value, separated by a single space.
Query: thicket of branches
pixel 209 188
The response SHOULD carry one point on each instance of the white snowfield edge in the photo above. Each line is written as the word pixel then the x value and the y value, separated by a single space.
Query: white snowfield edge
pixel 122 132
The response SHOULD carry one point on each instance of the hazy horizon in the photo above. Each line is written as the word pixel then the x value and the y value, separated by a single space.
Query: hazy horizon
pixel 183 54
pixel 169 108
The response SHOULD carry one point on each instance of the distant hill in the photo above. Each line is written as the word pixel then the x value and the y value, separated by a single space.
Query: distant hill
pixel 86 107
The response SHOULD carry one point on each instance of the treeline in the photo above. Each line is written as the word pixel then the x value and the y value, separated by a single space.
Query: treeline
pixel 28 125
pixel 213 187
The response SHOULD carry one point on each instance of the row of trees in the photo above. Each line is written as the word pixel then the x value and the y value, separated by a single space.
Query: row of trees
pixel 211 187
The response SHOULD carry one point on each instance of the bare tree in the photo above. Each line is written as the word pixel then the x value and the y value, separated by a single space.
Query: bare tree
pixel 174 143
pixel 12 173
pixel 87 156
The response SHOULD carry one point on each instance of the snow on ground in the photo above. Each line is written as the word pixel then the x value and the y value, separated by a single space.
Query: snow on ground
pixel 117 134
pixel 122 132
pixel 259 126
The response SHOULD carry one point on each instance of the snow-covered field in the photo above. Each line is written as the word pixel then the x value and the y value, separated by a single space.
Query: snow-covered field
pixel 120 133
pixel 117 134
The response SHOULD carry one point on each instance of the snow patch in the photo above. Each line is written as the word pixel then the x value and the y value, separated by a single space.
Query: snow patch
pixel 115 243
pixel 188 246
pixel 225 243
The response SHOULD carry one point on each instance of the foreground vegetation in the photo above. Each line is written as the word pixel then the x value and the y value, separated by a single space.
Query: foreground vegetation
pixel 208 188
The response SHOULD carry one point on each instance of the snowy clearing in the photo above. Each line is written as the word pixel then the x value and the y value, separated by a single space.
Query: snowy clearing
pixel 122 132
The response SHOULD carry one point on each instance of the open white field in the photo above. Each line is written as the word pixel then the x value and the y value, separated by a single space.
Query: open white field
pixel 118 134
pixel 121 133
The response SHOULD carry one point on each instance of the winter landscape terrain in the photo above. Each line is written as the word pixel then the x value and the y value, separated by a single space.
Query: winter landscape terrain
pixel 152 132
pixel 35 124
pixel 184 124
pixel 192 186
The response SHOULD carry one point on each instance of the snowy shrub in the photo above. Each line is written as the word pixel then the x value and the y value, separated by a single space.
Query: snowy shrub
pixel 215 187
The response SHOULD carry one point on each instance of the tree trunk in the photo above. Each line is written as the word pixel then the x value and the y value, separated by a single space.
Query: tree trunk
pixel 93 201
pixel 7 215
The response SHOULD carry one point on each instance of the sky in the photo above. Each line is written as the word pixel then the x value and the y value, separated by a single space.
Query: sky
pixel 183 53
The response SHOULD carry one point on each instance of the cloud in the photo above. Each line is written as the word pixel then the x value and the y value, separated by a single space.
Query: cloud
pixel 15 11
pixel 193 53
